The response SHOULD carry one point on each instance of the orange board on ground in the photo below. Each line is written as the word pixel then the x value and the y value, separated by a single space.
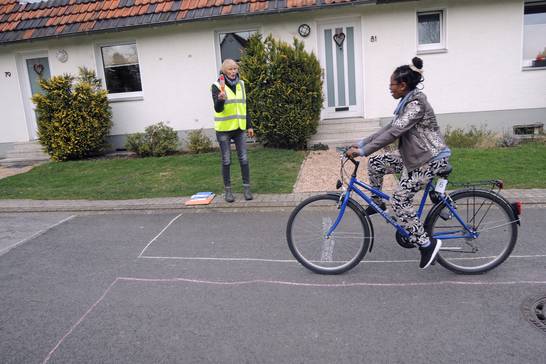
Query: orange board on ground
pixel 200 198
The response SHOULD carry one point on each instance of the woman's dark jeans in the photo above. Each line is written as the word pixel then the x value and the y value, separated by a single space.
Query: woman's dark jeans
pixel 224 140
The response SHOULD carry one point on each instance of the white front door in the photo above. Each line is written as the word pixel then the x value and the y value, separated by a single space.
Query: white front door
pixel 340 53
pixel 33 68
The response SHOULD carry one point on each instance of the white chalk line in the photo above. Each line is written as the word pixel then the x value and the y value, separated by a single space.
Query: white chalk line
pixel 238 259
pixel 158 235
pixel 284 283
pixel 41 232
pixel 343 284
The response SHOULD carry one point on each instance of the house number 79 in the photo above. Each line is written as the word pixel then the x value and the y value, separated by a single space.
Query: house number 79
pixel 8 74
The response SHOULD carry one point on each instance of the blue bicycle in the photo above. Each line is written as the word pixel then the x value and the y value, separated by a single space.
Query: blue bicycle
pixel 331 233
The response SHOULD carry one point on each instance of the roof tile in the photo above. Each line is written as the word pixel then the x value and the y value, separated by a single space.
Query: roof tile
pixel 143 10
pixel 28 33
pixel 134 10
pixel 181 15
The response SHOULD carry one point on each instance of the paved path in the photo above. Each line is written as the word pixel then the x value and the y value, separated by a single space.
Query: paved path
pixel 11 171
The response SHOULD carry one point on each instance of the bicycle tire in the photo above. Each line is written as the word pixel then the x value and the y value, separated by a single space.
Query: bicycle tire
pixel 348 244
pixel 497 228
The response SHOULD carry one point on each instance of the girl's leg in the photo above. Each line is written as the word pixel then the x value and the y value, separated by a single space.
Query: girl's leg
pixel 380 165
pixel 402 199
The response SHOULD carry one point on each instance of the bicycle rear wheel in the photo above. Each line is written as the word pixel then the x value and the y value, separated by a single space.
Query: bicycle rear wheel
pixel 306 235
pixel 490 216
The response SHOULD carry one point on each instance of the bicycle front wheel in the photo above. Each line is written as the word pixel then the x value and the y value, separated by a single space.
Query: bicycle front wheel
pixel 490 216
pixel 306 233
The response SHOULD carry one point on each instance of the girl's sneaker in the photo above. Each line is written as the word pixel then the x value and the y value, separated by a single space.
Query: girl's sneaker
pixel 429 253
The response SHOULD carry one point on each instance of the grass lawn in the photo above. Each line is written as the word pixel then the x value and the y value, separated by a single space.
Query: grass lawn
pixel 271 171
pixel 523 166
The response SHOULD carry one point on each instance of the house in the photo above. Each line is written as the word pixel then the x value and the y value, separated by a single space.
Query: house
pixel 157 58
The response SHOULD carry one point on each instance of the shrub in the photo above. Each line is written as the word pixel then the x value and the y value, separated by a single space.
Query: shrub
pixel 319 146
pixel 157 140
pixel 284 91
pixel 473 138
pixel 198 142
pixel 507 140
pixel 74 117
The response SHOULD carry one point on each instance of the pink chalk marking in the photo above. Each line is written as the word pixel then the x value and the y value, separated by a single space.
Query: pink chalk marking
pixel 286 283
pixel 79 321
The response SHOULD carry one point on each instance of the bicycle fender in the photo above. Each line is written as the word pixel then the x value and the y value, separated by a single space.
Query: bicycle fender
pixel 361 211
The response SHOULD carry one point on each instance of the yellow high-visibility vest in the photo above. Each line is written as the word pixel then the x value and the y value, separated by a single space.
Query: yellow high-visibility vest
pixel 233 116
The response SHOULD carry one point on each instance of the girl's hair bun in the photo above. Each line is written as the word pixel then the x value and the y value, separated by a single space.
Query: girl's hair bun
pixel 417 62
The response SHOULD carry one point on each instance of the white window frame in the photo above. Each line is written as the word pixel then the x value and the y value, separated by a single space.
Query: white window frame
pixel 250 28
pixel 122 96
pixel 432 47
pixel 526 66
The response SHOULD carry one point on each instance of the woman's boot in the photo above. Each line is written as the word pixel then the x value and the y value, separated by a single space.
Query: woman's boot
pixel 246 192
pixel 228 195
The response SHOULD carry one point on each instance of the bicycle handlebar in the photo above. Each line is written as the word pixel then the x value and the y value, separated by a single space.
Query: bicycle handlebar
pixel 343 152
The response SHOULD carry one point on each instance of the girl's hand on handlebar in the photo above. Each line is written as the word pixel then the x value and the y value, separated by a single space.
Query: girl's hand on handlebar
pixel 353 152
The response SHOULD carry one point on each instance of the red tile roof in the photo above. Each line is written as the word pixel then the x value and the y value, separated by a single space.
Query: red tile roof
pixel 22 21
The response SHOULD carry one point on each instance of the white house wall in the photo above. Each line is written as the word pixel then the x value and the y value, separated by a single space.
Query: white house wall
pixel 480 72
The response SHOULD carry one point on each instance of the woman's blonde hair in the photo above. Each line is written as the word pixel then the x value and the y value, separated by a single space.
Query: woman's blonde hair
pixel 228 62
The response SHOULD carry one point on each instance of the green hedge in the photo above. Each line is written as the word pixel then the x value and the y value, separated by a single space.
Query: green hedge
pixel 284 91
pixel 74 117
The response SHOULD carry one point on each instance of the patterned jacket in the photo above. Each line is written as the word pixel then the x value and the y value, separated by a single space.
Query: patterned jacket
pixel 418 133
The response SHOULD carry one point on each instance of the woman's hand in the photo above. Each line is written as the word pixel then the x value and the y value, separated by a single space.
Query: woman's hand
pixel 222 96
pixel 353 152
pixel 250 132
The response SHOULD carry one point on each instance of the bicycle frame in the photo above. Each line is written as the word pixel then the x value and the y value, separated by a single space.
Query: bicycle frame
pixel 467 232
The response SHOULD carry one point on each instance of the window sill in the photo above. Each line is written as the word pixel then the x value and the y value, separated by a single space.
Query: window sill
pixel 431 51
pixel 529 68
pixel 126 97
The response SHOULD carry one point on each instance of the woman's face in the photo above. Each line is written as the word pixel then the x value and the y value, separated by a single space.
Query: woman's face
pixel 398 90
pixel 231 70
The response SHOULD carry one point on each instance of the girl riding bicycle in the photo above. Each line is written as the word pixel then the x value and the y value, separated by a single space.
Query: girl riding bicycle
pixel 422 154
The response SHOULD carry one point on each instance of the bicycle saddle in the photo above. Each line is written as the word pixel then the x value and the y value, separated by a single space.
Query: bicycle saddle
pixel 447 170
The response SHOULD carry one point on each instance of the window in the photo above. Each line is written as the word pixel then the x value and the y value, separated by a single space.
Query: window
pixel 121 69
pixel 232 44
pixel 534 34
pixel 430 30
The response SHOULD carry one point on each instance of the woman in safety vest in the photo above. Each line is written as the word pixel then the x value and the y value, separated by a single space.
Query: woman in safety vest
pixel 232 122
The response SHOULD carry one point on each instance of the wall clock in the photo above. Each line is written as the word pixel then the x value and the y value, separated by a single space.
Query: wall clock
pixel 304 30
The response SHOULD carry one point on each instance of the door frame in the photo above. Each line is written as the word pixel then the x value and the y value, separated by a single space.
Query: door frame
pixel 358 109
pixel 26 93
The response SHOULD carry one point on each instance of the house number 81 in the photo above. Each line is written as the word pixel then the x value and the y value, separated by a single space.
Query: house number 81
pixel 373 38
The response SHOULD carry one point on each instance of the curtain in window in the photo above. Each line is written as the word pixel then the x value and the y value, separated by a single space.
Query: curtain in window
pixel 429 28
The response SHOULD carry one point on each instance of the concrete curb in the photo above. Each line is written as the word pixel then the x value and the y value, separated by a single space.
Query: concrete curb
pixel 528 197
